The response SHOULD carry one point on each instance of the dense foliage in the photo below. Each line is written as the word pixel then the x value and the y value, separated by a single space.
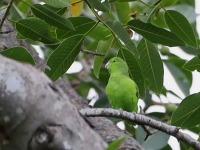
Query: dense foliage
pixel 140 32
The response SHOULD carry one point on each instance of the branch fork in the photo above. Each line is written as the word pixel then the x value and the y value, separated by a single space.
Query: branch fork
pixel 142 120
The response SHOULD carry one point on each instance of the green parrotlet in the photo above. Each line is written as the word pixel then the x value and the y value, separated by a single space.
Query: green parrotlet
pixel 121 90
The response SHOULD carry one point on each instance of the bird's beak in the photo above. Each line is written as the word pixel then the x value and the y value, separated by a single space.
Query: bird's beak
pixel 107 65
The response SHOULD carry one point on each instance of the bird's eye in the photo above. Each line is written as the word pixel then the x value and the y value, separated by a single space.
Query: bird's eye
pixel 114 60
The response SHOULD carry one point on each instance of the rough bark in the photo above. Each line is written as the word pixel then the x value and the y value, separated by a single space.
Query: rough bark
pixel 8 40
pixel 143 120
pixel 108 131
pixel 35 114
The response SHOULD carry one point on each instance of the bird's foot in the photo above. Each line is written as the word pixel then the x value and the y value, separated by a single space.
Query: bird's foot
pixel 121 110
pixel 141 111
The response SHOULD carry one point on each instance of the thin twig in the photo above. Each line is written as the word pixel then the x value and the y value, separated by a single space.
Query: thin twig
pixel 102 21
pixel 6 13
pixel 2 8
pixel 146 128
pixel 6 32
pixel 141 119
pixel 90 52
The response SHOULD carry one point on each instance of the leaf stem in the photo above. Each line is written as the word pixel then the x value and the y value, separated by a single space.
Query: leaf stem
pixel 6 32
pixel 92 28
pixel 142 120
pixel 144 3
pixel 90 52
pixel 148 18
pixel 4 7
pixel 101 20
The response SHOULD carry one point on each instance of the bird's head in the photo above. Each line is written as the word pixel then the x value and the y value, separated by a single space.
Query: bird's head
pixel 117 65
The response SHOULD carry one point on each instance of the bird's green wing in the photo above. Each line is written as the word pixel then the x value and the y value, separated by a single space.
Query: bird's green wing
pixel 121 92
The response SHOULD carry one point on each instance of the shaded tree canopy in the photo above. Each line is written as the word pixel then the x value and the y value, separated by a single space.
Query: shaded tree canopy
pixel 43 106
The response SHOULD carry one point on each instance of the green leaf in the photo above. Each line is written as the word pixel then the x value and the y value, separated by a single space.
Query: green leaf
pixel 188 112
pixel 19 36
pixel 102 102
pixel 119 30
pixel 151 65
pixel 50 17
pixel 149 13
pixel 152 141
pixel 179 62
pixel 134 70
pixel 23 7
pixel 193 64
pixel 112 1
pixel 34 29
pixel 15 13
pixel 81 24
pixel 102 48
pixel 99 32
pixel 159 20
pixel 180 78
pixel 59 11
pixel 57 3
pixel 63 56
pixel 19 54
pixel 99 6
pixel 104 76
pixel 186 10
pixel 166 3
pixel 179 25
pixel 123 14
pixel 83 88
pixel 155 34
pixel 115 144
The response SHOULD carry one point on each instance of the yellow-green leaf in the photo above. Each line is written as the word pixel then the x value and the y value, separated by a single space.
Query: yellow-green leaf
pixel 123 14
pixel 102 48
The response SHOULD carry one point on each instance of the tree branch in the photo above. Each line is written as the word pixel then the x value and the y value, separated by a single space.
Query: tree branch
pixel 6 13
pixel 35 114
pixel 103 126
pixel 6 32
pixel 7 40
pixel 90 52
pixel 146 128
pixel 141 119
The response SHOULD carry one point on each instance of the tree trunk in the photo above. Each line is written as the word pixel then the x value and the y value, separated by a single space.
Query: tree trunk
pixel 36 114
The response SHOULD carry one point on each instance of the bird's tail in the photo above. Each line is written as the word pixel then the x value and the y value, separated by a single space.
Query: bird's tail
pixel 129 126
